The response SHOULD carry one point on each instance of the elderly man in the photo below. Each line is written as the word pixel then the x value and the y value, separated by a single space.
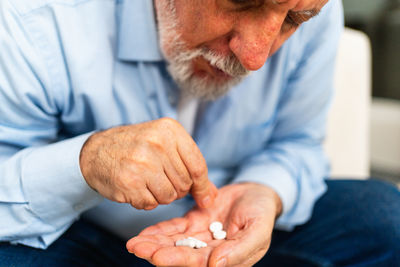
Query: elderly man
pixel 132 113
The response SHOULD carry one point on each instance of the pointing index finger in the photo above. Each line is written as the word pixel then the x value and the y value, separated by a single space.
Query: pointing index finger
pixel 202 190
pixel 204 193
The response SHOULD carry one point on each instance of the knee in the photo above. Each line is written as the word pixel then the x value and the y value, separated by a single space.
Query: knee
pixel 378 214
pixel 367 219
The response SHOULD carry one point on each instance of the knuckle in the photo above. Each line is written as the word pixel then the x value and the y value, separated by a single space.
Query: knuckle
pixel 155 141
pixel 170 196
pixel 143 205
pixel 120 198
pixel 173 195
pixel 137 205
pixel 198 171
pixel 139 161
pixel 149 203
pixel 168 122
pixel 144 202
pixel 150 206
pixel 169 127
pixel 185 187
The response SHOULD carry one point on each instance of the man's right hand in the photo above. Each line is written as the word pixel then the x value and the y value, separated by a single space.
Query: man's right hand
pixel 146 164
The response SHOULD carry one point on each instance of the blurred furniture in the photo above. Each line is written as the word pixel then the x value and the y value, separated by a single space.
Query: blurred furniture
pixel 347 142
pixel 385 136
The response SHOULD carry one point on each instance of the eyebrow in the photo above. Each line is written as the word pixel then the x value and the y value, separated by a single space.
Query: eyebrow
pixel 297 16
pixel 303 15
pixel 309 13
pixel 279 2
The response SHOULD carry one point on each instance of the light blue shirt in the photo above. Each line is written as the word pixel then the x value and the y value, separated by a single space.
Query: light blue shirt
pixel 71 67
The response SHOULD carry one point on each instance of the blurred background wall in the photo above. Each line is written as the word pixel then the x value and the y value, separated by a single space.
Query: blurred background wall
pixel 380 20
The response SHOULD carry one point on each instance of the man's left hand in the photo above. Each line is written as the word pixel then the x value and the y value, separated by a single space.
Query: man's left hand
pixel 247 211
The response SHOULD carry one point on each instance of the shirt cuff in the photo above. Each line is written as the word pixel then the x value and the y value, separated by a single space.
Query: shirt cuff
pixel 43 241
pixel 53 184
pixel 273 175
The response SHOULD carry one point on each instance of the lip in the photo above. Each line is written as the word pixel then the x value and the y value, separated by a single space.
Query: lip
pixel 219 73
pixel 203 68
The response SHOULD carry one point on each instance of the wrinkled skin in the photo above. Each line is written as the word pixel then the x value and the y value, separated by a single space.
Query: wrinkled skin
pixel 247 211
pixel 146 164
pixel 252 30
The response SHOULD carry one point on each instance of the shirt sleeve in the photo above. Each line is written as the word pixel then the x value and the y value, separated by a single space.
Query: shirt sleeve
pixel 292 162
pixel 42 190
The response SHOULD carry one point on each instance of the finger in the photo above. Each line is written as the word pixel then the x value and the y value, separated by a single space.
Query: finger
pixel 162 189
pixel 144 250
pixel 177 174
pixel 145 246
pixel 170 227
pixel 144 200
pixel 204 193
pixel 181 256
pixel 202 190
pixel 246 246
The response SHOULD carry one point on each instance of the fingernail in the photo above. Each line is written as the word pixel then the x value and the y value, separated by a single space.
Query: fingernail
pixel 221 262
pixel 206 201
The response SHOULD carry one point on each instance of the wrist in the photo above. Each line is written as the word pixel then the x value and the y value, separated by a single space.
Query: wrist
pixel 268 192
pixel 86 156
pixel 276 200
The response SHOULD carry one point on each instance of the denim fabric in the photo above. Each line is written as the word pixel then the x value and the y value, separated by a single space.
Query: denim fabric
pixel 356 223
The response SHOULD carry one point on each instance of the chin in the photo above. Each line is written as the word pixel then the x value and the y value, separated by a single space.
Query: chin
pixel 207 88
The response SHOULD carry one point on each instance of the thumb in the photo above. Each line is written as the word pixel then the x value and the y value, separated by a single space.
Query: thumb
pixel 245 247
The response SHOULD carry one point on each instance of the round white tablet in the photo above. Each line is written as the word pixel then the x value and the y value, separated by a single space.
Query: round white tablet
pixel 219 235
pixel 215 226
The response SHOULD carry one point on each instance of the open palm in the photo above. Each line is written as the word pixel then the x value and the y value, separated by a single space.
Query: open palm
pixel 247 212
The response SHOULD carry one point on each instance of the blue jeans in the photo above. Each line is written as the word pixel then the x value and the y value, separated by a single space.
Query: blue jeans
pixel 356 223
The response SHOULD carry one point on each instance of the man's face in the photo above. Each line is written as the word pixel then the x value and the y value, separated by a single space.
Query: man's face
pixel 211 45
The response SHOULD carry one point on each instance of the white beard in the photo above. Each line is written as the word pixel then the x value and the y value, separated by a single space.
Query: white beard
pixel 180 59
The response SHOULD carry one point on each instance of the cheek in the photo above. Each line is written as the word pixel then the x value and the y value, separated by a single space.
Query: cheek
pixel 280 40
pixel 190 19
pixel 200 22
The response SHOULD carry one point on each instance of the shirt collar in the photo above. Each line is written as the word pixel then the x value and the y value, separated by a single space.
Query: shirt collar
pixel 138 37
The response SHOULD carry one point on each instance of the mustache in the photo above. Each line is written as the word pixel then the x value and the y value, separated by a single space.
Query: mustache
pixel 229 64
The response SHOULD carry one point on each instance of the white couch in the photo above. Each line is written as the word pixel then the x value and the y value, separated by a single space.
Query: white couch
pixel 347 142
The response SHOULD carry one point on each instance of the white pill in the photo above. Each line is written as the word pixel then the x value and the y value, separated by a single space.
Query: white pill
pixel 201 244
pixel 183 243
pixel 180 243
pixel 195 240
pixel 190 242
pixel 215 226
pixel 219 235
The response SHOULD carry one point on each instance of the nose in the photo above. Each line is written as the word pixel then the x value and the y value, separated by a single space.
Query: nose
pixel 252 39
